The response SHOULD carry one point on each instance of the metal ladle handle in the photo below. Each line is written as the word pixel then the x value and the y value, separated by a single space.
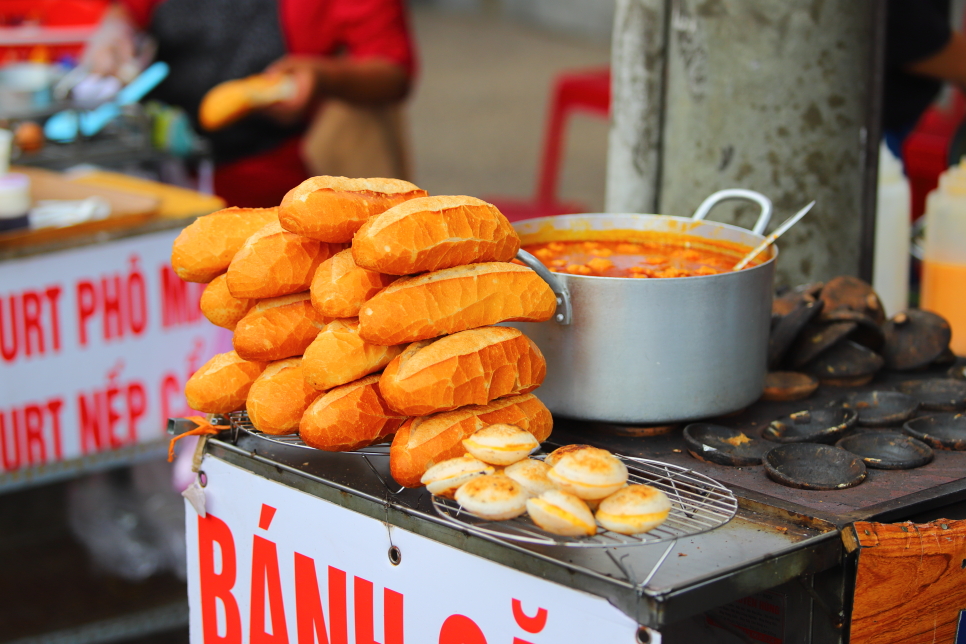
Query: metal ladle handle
pixel 564 314
pixel 737 193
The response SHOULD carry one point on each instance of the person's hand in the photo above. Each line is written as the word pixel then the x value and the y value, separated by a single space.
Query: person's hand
pixel 111 49
pixel 304 74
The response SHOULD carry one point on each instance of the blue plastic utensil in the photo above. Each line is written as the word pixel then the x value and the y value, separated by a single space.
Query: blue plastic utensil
pixel 64 126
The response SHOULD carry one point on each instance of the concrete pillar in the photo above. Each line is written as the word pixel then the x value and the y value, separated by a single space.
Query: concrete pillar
pixel 637 84
pixel 770 95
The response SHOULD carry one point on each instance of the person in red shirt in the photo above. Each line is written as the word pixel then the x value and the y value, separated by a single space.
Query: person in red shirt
pixel 352 62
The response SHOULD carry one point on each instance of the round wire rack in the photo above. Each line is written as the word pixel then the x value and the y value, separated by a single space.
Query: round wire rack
pixel 240 421
pixel 698 504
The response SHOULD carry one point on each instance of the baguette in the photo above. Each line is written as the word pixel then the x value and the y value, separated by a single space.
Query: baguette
pixel 279 397
pixel 205 248
pixel 278 328
pixel 467 368
pixel 221 307
pixel 455 299
pixel 332 209
pixel 431 233
pixel 222 383
pixel 340 288
pixel 422 442
pixel 232 100
pixel 338 355
pixel 349 417
pixel 275 262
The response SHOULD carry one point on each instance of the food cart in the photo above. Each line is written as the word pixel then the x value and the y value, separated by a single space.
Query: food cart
pixel 275 529
pixel 98 337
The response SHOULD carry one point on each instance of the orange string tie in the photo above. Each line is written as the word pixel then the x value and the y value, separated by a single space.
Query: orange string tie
pixel 203 427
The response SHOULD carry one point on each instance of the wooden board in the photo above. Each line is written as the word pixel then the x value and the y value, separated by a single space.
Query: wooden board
pixel 127 209
pixel 911 581
pixel 175 202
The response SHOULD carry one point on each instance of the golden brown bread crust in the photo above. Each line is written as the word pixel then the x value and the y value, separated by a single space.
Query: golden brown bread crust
pixel 222 383
pixel 279 397
pixel 340 288
pixel 431 233
pixel 227 102
pixel 422 442
pixel 205 248
pixel 455 299
pixel 275 262
pixel 221 307
pixel 471 367
pixel 339 355
pixel 332 209
pixel 349 417
pixel 278 328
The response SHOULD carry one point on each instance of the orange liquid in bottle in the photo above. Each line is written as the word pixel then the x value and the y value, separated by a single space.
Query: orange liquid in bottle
pixel 944 293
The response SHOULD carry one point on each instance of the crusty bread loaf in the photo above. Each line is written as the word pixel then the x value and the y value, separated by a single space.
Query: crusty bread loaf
pixel 221 307
pixel 232 100
pixel 278 328
pixel 275 262
pixel 339 355
pixel 332 209
pixel 431 233
pixel 205 248
pixel 279 397
pixel 340 288
pixel 222 383
pixel 422 442
pixel 455 299
pixel 471 367
pixel 349 417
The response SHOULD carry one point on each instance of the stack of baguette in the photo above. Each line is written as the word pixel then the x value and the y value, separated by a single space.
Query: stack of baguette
pixel 363 309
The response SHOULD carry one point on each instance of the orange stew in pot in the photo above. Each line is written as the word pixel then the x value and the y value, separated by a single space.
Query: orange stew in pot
pixel 636 259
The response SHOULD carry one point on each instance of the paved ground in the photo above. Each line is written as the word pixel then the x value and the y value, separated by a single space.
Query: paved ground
pixel 479 111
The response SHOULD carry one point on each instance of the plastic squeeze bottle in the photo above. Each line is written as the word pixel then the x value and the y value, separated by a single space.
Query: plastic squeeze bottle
pixel 890 262
pixel 944 263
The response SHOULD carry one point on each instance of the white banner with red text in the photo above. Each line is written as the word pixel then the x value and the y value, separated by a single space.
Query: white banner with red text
pixel 271 564
pixel 96 344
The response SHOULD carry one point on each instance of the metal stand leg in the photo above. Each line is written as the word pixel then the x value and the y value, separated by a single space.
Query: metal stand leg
pixel 657 566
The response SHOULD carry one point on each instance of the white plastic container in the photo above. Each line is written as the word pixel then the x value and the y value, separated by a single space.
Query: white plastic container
pixel 944 254
pixel 890 262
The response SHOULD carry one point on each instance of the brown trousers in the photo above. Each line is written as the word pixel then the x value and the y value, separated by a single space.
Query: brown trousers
pixel 357 141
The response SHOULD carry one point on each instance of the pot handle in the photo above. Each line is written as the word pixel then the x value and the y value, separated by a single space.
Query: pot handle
pixel 737 193
pixel 564 313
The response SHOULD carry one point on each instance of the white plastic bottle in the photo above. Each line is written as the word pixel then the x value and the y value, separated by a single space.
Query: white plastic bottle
pixel 944 262
pixel 890 261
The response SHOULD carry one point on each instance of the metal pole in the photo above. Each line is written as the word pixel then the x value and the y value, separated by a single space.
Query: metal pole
pixel 637 90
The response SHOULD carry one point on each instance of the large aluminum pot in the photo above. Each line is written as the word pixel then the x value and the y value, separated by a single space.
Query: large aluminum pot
pixel 651 351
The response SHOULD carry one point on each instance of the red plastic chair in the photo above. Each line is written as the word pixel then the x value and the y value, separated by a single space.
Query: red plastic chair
pixel 586 91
